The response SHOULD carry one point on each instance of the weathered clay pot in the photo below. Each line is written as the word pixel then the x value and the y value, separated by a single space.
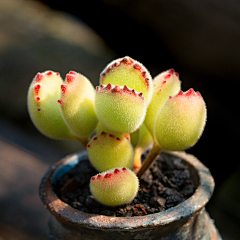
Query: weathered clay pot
pixel 188 220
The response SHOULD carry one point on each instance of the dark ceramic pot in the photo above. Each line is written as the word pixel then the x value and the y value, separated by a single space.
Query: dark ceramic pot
pixel 188 220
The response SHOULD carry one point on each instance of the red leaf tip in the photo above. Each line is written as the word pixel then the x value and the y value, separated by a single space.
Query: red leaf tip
pixel 99 176
pixel 49 73
pixel 60 101
pixel 167 76
pixel 70 78
pixel 36 89
pixel 190 92
pixel 39 77
pixel 108 175
pixel 64 89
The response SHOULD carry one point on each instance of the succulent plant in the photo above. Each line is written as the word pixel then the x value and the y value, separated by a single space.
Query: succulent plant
pixel 127 114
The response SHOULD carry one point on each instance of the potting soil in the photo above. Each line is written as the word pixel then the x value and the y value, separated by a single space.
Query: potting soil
pixel 166 184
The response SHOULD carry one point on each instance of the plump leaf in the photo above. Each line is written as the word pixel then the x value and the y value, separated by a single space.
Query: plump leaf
pixel 165 85
pixel 129 72
pixel 114 187
pixel 107 151
pixel 181 121
pixel 77 104
pixel 44 110
pixel 120 108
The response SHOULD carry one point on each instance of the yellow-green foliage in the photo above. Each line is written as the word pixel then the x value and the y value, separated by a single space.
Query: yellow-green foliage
pixel 77 104
pixel 165 85
pixel 126 102
pixel 181 121
pixel 43 108
pixel 114 187
pixel 129 72
pixel 141 138
pixel 119 108
pixel 106 151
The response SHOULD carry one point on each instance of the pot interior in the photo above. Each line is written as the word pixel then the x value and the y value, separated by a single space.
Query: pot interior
pixel 69 163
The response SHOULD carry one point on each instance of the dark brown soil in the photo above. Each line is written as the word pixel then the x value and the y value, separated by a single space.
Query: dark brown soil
pixel 165 185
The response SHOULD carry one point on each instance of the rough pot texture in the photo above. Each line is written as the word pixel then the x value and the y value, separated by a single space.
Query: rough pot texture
pixel 188 220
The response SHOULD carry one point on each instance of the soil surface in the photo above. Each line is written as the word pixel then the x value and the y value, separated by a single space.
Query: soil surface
pixel 166 184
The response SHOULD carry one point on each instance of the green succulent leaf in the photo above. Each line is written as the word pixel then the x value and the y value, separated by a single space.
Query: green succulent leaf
pixel 129 72
pixel 119 108
pixel 43 108
pixel 165 85
pixel 114 187
pixel 107 151
pixel 181 121
pixel 77 104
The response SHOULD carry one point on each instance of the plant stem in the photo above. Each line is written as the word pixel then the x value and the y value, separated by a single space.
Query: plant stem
pixel 137 163
pixel 152 155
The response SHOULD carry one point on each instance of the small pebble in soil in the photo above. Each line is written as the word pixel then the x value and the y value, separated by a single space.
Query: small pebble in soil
pixel 166 184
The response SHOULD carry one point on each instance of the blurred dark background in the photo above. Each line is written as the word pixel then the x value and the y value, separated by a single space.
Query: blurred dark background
pixel 199 39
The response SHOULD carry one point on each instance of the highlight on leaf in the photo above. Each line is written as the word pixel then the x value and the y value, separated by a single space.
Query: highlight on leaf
pixel 181 121
pixel 119 108
pixel 107 151
pixel 165 84
pixel 129 72
pixel 114 187
pixel 43 108
pixel 77 104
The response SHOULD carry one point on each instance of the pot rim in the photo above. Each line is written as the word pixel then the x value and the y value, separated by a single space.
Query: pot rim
pixel 68 215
